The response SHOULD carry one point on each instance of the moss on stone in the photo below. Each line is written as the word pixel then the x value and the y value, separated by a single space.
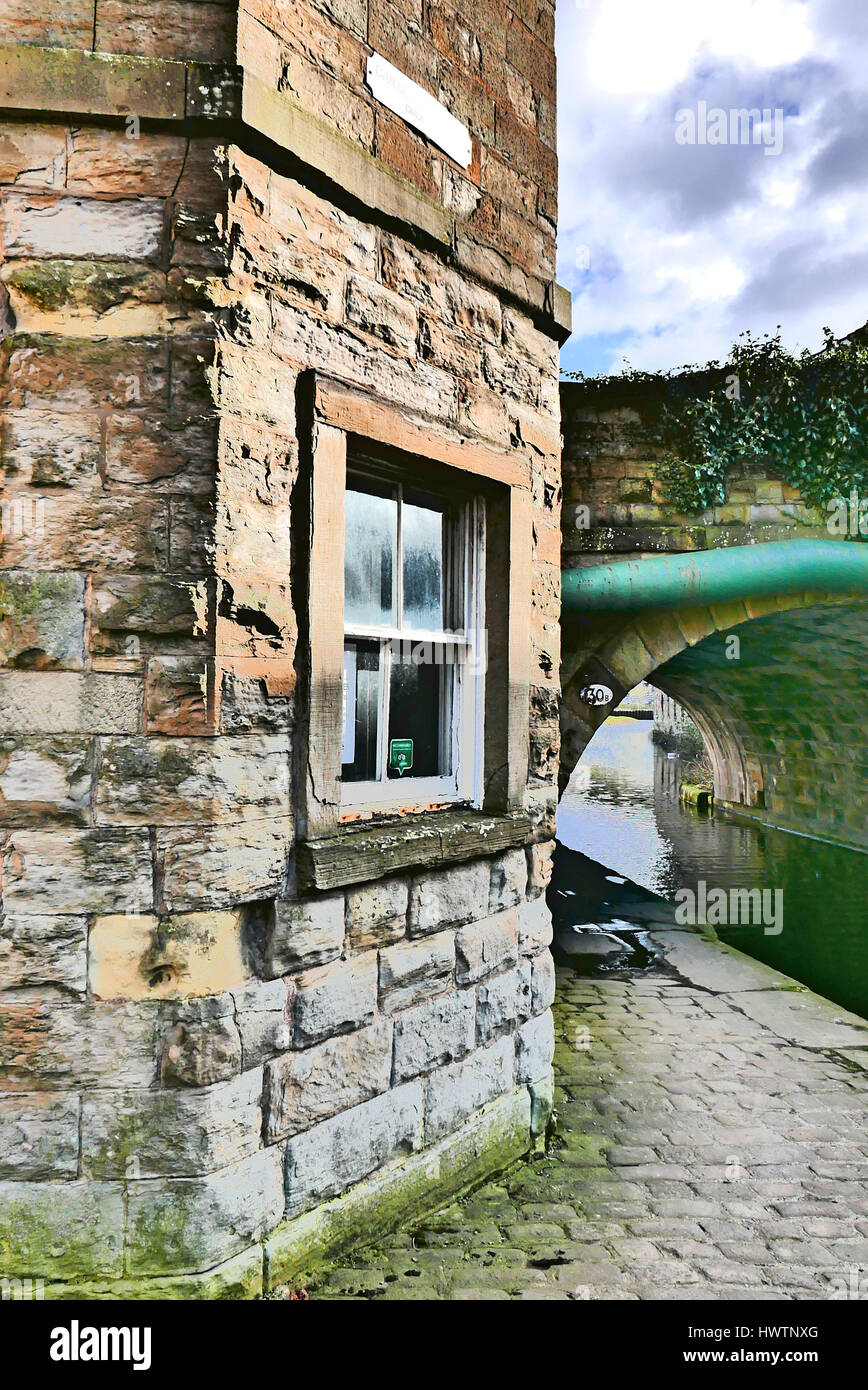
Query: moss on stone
pixel 92 284
pixel 489 1143
pixel 22 598
pixel 170 1227
pixel 64 79
pixel 235 1279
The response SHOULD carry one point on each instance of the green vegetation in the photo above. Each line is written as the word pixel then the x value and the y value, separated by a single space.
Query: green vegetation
pixel 804 418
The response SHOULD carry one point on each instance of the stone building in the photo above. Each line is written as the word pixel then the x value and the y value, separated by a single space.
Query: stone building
pixel 278 626
pixel 673 729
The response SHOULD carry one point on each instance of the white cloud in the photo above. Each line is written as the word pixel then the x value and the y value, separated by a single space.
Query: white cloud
pixel 672 250
pixel 638 46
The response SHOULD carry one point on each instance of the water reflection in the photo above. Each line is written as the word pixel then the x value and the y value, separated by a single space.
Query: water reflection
pixel 621 811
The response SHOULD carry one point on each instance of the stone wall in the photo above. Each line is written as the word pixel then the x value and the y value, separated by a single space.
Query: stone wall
pixel 613 504
pixel 211 1076
pixel 492 63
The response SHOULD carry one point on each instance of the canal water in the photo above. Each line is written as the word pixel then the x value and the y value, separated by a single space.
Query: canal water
pixel 625 843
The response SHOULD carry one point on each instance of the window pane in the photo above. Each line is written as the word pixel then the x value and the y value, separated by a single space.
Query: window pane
pixel 419 726
pixel 422 532
pixel 362 700
pixel 370 563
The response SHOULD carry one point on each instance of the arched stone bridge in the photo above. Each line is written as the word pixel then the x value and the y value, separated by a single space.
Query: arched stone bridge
pixel 764 647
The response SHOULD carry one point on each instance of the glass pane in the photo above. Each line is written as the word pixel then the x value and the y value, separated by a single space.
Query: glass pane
pixel 419 724
pixel 369 556
pixel 423 532
pixel 362 701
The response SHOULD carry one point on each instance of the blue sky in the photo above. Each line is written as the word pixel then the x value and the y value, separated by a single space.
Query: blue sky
pixel 672 249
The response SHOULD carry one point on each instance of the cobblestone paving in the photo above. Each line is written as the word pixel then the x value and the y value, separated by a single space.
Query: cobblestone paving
pixel 697 1155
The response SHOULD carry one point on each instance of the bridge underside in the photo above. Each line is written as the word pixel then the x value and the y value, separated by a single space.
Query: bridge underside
pixel 775 685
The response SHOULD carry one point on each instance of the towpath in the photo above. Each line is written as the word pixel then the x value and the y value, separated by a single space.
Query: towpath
pixel 711 1143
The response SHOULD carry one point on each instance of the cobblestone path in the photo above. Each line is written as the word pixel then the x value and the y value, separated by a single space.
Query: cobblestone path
pixel 711 1143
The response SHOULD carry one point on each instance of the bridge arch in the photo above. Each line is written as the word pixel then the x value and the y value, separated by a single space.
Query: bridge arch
pixel 781 711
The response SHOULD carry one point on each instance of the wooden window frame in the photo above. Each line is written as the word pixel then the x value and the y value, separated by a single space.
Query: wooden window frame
pixel 462 713
pixel 333 419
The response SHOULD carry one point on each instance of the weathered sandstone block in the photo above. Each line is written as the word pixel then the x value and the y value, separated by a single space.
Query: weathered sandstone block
pixel 263 1017
pixel 198 1042
pixel 38 226
pixel 77 374
pixel 148 957
pixel 304 1088
pixel 43 951
pixel 80 1235
pixel 45 779
pixel 539 857
pixel 207 866
pixel 66 871
pixel 98 532
pixel 36 450
pixel 48 1044
pixel 33 155
pixel 53 295
pixel 39 1136
pixel 147 606
pixel 453 1093
pixel 433 1034
pixel 334 999
pixel 178 780
pixel 534 927
pixel 100 163
pixel 45 702
pixel 325 1160
pixel 508 880
pixel 542 982
pixel 247 704
pixel 139 1134
pixel 186 29
pixel 503 1002
pixel 177 696
pixel 536 1047
pixel 377 913
pixel 41 618
pixel 192 1223
pixel 416 970
pixel 376 310
pixel 449 897
pixel 301 935
pixel 486 947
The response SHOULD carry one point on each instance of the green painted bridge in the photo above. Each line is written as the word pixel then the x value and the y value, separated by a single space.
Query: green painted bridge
pixel 750 615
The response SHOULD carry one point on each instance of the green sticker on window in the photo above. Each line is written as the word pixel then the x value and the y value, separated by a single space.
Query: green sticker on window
pixel 401 754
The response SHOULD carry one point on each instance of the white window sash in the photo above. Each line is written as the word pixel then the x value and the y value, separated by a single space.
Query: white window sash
pixel 399 793
pixel 363 632
pixel 465 567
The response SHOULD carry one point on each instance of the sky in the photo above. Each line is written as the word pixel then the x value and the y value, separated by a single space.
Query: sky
pixel 672 247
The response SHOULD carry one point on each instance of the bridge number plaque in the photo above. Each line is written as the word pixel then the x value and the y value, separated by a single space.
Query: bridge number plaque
pixel 594 695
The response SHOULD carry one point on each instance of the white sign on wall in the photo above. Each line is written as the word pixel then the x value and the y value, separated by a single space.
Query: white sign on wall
pixel 419 109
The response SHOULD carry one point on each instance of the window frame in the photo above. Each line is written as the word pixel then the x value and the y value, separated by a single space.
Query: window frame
pixel 463 716
pixel 335 422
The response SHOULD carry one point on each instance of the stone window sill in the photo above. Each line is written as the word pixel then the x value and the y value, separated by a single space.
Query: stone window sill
pixel 363 851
